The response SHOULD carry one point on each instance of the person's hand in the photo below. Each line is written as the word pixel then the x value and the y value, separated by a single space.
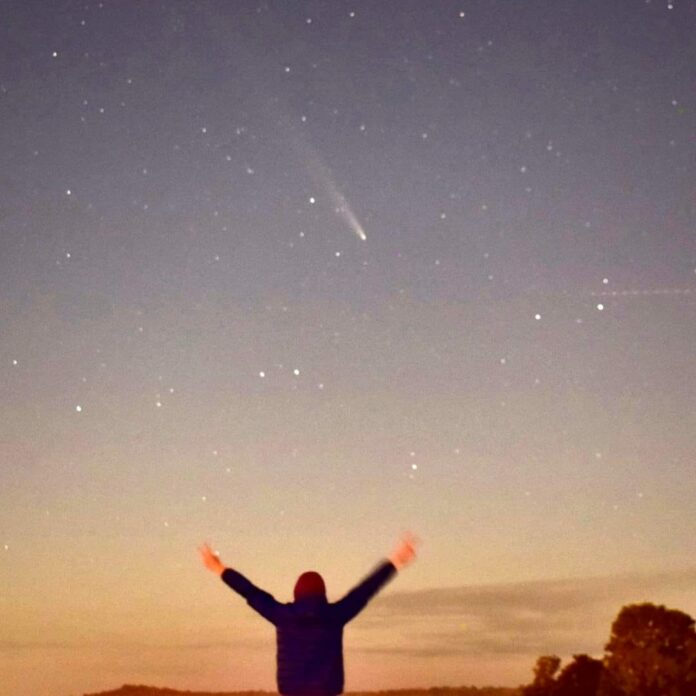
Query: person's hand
pixel 211 560
pixel 405 552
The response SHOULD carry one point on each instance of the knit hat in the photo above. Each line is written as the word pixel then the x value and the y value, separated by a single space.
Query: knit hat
pixel 308 584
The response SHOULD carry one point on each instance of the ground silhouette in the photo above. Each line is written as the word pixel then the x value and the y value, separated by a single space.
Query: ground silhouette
pixel 143 690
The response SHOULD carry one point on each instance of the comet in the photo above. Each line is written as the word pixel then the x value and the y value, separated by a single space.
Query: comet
pixel 323 178
pixel 344 210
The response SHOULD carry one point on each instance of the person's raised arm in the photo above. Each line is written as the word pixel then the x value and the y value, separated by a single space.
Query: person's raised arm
pixel 211 560
pixel 354 602
pixel 405 552
pixel 259 600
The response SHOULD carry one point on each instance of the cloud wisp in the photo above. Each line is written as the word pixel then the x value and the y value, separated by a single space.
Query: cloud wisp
pixel 564 617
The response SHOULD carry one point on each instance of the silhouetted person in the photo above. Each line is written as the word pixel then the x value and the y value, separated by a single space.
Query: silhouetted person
pixel 309 631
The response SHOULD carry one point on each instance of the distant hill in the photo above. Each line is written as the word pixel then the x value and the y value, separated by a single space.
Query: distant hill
pixel 142 690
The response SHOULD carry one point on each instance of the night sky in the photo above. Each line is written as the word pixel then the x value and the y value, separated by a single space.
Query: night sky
pixel 294 277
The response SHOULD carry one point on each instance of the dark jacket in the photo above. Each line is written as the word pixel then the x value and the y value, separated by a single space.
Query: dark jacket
pixel 309 631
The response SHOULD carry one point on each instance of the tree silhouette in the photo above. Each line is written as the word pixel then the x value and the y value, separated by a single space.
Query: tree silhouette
pixel 651 652
pixel 580 677
pixel 544 671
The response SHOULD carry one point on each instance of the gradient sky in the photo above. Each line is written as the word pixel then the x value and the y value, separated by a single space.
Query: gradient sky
pixel 198 344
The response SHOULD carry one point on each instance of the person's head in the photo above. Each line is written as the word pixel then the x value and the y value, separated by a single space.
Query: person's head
pixel 310 584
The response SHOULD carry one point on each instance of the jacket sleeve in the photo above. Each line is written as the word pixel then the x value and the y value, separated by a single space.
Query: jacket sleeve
pixel 354 602
pixel 256 598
